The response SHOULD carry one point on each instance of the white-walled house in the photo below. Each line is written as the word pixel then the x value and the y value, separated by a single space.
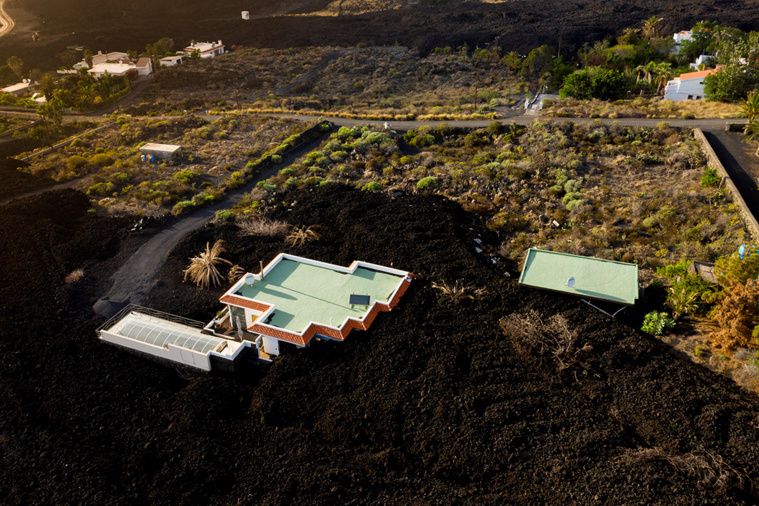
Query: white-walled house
pixel 171 61
pixel 679 38
pixel 115 69
pixel 144 66
pixel 688 86
pixel 205 49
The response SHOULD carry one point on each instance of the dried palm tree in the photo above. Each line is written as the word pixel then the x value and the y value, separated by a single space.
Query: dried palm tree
pixel 302 235
pixel 458 292
pixel 235 273
pixel 202 270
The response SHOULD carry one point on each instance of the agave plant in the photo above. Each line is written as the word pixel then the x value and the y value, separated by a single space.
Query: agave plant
pixel 202 270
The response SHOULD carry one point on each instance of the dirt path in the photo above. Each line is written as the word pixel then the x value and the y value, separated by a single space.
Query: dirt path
pixel 135 279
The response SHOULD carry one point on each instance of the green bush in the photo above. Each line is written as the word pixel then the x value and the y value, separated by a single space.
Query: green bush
pixel 346 133
pixel 186 176
pixel 276 159
pixel 710 178
pixel 101 189
pixel 427 182
pixel 655 323
pixel 595 82
pixel 76 163
pixel 225 215
pixel 182 207
pixel 372 186
pixel 650 222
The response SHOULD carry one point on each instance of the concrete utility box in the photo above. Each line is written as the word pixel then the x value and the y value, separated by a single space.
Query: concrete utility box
pixel 161 151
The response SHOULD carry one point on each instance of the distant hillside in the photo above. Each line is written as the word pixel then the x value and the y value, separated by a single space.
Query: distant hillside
pixel 519 24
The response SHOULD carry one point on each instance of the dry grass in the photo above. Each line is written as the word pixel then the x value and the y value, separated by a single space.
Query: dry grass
pixel 202 270
pixel 265 227
pixel 74 276
pixel 302 235
pixel 641 107
pixel 709 468
pixel 551 338
pixel 458 291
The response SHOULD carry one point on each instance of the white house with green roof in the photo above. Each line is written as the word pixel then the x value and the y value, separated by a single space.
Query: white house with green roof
pixel 587 277
pixel 295 299
pixel 292 300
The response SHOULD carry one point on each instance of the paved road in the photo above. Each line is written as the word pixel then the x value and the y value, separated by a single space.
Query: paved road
pixel 703 124
pixel 738 159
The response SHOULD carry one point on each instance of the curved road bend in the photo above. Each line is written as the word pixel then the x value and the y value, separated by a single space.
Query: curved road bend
pixel 5 20
pixel 134 280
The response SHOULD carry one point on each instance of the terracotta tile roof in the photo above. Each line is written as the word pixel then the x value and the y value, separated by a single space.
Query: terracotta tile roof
pixel 697 75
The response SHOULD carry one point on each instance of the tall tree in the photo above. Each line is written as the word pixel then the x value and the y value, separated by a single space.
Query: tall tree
pixel 650 27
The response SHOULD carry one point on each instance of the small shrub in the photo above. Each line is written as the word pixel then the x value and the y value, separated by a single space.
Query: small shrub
pixel 225 215
pixel 76 163
pixel 427 182
pixel 301 236
pixel 186 176
pixel 182 206
pixel 710 179
pixel 458 291
pixel 655 323
pixel 372 186
pixel 74 276
pixel 265 227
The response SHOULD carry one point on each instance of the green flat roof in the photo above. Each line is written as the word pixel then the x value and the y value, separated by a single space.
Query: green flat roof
pixel 302 293
pixel 595 278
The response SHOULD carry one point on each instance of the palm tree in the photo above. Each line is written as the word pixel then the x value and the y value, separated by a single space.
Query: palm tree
pixel 664 72
pixel 202 270
pixel 650 27
pixel 751 106
pixel 752 132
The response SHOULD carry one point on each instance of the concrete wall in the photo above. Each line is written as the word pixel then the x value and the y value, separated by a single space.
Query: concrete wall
pixel 751 224
pixel 173 353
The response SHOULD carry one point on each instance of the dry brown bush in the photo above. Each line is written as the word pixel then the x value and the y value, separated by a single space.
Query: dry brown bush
pixel 709 468
pixel 265 227
pixel 235 273
pixel 551 338
pixel 75 276
pixel 301 236
pixel 202 270
pixel 735 316
pixel 458 291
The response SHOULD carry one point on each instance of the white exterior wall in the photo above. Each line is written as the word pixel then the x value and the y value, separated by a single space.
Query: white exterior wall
pixel 171 352
pixel 271 345
pixel 690 89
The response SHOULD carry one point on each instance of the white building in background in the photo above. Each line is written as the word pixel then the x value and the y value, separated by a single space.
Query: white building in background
pixel 679 38
pixel 205 49
pixel 688 86
pixel 245 15
pixel 144 66
pixel 171 61
pixel 115 69
pixel 18 87
pixel 112 57
pixel 704 59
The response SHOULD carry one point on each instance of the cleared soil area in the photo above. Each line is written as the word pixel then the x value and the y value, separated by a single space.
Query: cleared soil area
pixel 520 25
pixel 434 404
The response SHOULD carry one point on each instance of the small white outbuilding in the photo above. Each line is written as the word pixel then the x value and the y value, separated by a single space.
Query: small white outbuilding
pixel 161 151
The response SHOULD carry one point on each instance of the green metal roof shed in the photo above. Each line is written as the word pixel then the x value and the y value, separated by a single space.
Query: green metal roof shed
pixel 589 277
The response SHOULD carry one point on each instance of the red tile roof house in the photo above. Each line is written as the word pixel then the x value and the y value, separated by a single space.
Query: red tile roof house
pixel 293 300
pixel 688 86
pixel 205 49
